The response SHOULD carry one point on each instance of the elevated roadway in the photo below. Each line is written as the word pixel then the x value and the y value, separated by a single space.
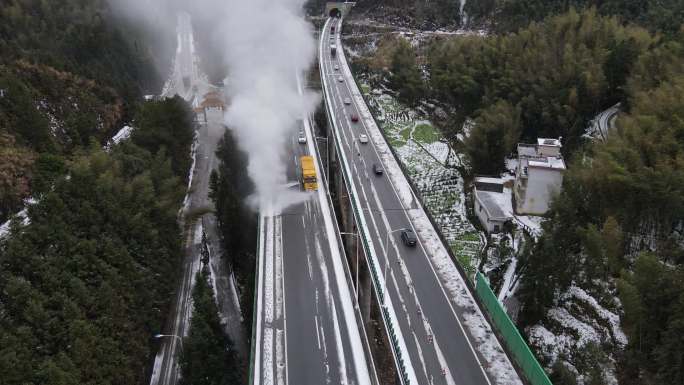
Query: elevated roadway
pixel 438 334
pixel 307 329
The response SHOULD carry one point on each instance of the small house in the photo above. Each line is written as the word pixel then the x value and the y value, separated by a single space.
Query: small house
pixel 491 205
pixel 538 176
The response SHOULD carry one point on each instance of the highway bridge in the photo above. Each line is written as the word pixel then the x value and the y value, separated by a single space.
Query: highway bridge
pixel 438 333
pixel 307 329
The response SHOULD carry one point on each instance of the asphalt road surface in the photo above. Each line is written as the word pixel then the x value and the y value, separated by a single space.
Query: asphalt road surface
pixel 306 327
pixel 440 350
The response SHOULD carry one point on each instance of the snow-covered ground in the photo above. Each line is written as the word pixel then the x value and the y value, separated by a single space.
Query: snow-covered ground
pixel 22 217
pixel 575 325
pixel 430 164
pixel 123 134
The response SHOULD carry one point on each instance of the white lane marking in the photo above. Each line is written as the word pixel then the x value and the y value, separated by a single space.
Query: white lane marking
pixel 420 355
pixel 347 310
pixel 444 365
pixel 391 281
pixel 326 364
pixel 318 333
pixel 329 301
pixel 308 254
pixel 278 255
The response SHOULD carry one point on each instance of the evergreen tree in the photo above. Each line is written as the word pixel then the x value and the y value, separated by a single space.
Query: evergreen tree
pixel 511 15
pixel 230 191
pixel 406 76
pixel 166 124
pixel 552 71
pixel 493 137
pixel 207 355
pixel 85 283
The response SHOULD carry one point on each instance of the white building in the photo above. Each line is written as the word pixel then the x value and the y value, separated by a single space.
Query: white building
pixel 538 176
pixel 492 206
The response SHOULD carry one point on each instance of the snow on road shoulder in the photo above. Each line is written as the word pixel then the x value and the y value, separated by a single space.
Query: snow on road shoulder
pixel 498 365
pixel 431 164
pixel 191 173
pixel 481 333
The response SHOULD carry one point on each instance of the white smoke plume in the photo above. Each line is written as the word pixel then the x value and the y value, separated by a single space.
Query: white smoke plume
pixel 264 43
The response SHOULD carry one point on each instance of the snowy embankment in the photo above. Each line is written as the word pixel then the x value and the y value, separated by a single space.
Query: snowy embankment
pixel 497 363
pixel 431 166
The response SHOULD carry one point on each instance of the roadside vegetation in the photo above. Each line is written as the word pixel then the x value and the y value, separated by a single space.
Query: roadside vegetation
pixel 85 284
pixel 230 191
pixel 547 80
pixel 619 220
pixel 67 77
pixel 511 15
pixel 86 273
pixel 422 14
pixel 207 357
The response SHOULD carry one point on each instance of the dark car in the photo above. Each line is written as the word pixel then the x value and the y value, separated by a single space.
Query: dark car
pixel 377 169
pixel 409 237
pixel 354 118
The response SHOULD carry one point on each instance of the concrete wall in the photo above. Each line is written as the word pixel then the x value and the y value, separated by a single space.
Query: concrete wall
pixel 534 196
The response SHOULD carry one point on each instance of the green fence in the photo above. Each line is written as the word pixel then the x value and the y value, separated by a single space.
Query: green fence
pixel 522 354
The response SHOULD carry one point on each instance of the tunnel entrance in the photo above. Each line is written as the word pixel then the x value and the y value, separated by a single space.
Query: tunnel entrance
pixel 335 12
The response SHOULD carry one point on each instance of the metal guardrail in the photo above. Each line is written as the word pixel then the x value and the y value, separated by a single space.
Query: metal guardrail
pixel 369 253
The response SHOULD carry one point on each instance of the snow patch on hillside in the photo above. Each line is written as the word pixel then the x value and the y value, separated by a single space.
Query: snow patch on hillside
pixel 22 217
pixel 123 134
pixel 431 165
pixel 576 324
